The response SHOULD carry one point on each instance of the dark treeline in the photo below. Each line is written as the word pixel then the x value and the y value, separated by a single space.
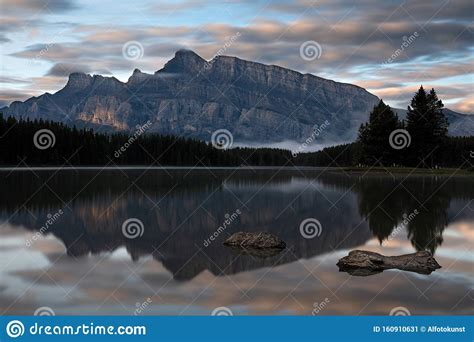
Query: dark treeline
pixel 72 146
pixel 454 152
pixel 335 156
pixel 421 140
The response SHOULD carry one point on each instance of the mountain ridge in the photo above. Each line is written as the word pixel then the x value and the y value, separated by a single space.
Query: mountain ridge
pixel 193 97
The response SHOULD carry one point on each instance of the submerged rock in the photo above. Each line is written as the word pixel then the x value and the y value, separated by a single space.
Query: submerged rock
pixel 259 244
pixel 364 263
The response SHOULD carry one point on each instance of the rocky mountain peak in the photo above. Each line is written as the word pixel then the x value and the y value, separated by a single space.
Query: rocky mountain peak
pixel 184 61
pixel 79 80
pixel 137 77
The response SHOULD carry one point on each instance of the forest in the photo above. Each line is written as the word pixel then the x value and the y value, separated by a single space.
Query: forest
pixel 423 142
pixel 71 146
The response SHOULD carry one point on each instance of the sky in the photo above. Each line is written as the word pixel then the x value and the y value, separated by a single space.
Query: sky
pixel 388 47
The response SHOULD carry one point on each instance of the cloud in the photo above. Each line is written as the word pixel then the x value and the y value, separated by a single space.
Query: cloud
pixel 4 39
pixel 169 7
pixel 65 69
pixel 13 80
pixel 8 96
pixel 345 45
pixel 38 6
pixel 356 40
pixel 464 106
pixel 416 10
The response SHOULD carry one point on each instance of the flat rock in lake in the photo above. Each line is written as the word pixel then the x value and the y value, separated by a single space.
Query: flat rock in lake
pixel 364 263
pixel 259 244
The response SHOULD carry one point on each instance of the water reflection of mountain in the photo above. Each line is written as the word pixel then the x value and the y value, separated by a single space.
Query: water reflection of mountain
pixel 180 210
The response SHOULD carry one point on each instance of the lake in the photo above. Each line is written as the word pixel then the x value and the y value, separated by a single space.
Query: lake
pixel 150 241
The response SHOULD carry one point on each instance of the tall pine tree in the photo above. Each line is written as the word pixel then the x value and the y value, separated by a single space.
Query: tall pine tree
pixel 374 136
pixel 427 125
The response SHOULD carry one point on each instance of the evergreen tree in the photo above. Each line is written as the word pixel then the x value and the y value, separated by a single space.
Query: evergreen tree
pixel 374 136
pixel 427 125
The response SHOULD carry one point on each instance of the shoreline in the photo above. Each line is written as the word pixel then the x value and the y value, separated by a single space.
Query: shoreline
pixel 352 170
pixel 405 170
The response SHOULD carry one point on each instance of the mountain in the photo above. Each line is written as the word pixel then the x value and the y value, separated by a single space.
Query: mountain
pixel 193 97
pixel 459 124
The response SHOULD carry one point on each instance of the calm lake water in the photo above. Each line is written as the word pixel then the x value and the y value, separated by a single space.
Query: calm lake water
pixel 62 241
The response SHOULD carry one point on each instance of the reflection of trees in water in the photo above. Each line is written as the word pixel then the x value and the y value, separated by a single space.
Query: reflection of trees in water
pixel 425 231
pixel 419 203
pixel 381 204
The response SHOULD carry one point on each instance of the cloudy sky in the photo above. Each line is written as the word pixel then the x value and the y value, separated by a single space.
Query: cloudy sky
pixel 389 47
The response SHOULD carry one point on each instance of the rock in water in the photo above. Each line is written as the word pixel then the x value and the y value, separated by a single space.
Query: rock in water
pixel 259 244
pixel 364 263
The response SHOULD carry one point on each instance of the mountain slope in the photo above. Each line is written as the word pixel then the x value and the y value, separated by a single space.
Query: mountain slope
pixel 459 124
pixel 193 97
